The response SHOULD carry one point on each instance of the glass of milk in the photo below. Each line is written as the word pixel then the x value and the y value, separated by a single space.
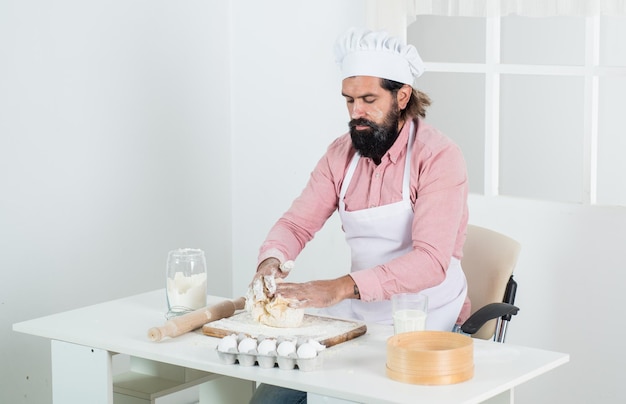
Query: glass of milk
pixel 409 312
pixel 186 286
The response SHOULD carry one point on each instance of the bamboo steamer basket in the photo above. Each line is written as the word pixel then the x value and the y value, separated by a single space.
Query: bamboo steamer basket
pixel 430 357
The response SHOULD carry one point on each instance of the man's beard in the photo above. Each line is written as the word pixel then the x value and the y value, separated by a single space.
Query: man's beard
pixel 375 141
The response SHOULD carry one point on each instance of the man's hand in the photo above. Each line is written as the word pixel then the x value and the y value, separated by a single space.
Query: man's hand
pixel 318 294
pixel 270 266
pixel 265 276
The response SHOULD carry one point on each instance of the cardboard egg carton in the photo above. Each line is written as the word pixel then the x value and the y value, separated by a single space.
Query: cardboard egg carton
pixel 286 359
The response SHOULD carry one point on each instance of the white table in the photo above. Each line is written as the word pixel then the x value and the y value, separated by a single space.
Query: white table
pixel 84 340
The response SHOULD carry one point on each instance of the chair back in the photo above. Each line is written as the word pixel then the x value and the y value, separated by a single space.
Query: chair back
pixel 489 259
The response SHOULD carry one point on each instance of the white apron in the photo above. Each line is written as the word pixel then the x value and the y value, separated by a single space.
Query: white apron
pixel 380 234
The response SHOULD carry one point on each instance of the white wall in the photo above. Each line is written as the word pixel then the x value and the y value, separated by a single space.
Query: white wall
pixel 106 107
pixel 118 122
pixel 287 109
pixel 114 149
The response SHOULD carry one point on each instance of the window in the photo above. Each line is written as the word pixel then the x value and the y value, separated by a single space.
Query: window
pixel 536 104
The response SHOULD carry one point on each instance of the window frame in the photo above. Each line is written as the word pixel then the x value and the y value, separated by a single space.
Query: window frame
pixel 492 69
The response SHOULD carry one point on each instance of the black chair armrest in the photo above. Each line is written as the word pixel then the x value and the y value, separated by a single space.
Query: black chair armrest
pixel 484 314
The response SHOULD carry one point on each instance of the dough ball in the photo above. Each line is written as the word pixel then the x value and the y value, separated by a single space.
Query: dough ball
pixel 273 311
pixel 279 314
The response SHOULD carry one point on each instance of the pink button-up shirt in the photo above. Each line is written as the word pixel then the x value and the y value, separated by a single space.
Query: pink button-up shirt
pixel 439 188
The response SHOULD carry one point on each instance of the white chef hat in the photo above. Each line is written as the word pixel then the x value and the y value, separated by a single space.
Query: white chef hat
pixel 361 52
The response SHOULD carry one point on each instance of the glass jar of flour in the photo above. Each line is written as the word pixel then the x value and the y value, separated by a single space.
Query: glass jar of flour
pixel 186 281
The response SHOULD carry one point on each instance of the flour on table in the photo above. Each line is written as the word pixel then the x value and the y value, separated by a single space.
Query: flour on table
pixel 313 327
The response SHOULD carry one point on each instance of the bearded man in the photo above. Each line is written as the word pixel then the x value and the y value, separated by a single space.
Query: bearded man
pixel 400 187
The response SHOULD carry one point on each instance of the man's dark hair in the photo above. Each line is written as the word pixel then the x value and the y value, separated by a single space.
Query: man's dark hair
pixel 417 103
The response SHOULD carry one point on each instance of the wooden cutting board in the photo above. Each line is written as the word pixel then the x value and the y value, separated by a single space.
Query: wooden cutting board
pixel 327 331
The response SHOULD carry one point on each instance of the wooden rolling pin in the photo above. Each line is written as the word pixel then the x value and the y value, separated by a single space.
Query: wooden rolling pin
pixel 196 319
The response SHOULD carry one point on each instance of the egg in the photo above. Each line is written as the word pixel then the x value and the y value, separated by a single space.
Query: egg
pixel 247 344
pixel 306 351
pixel 227 343
pixel 286 347
pixel 266 346
pixel 318 347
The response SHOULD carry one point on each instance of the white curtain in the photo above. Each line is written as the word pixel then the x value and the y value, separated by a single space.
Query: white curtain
pixel 528 8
